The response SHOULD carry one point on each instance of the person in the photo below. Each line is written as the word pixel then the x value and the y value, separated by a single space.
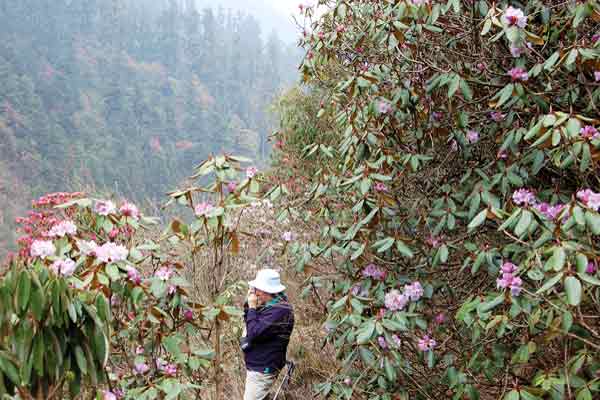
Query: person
pixel 269 322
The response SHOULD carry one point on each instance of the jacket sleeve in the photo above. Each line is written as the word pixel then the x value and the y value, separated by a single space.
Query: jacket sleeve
pixel 257 324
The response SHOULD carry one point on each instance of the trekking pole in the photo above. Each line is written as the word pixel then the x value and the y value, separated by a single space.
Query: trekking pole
pixel 286 379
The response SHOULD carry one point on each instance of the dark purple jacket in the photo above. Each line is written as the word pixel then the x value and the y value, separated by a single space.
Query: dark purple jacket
pixel 268 329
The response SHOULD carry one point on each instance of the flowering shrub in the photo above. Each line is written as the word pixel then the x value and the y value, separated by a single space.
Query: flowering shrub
pixel 480 118
pixel 111 304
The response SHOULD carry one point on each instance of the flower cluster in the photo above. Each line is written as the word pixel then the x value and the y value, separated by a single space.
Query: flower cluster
pixel 590 198
pixel 549 211
pixel 54 199
pixel 589 132
pixel 380 187
pixel 509 280
pixel 42 249
pixel 518 74
pixel 164 273
pixel 111 252
pixel 203 209
pixel 523 197
pixel 396 301
pixel 129 210
pixel 251 172
pixel 472 136
pixel 63 267
pixel 384 107
pixel 133 275
pixel 514 17
pixel 105 207
pixel 63 228
pixel 374 272
pixel 426 344
pixel 591 268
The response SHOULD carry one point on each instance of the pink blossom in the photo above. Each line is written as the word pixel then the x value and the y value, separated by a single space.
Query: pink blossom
pixel 481 66
pixel 589 198
pixel 502 155
pixel 523 197
pixel 514 16
pixel 497 116
pixel 250 172
pixel 42 249
pixel 380 187
pixel 139 350
pixel 113 233
pixel 434 241
pixel 596 37
pixel 426 344
pixel 440 318
pixel 63 228
pixel 133 275
pixel 384 107
pixel 419 2
pixel 414 291
pixel 231 186
pixel 518 74
pixel 382 342
pixel 374 272
pixel 395 301
pixel 188 315
pixel 108 395
pixel 472 136
pixel 105 207
pixel 141 368
pixel 164 273
pixel 111 252
pixel 203 209
pixel 340 29
pixel 597 76
pixel 287 236
pixel 550 212
pixel 516 286
pixel 508 267
pixel 347 381
pixel 591 268
pixel 397 341
pixel 516 51
pixel 589 132
pixel 509 280
pixel 172 289
pixel 170 369
pixel 453 145
pixel 129 210
pixel 63 267
pixel 87 247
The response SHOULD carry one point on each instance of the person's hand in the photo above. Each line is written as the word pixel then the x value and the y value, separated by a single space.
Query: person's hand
pixel 252 299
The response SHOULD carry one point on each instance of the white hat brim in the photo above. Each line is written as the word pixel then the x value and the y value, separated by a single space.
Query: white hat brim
pixel 268 289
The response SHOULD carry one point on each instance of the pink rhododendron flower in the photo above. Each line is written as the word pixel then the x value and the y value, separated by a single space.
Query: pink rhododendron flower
pixel 141 368
pixel 172 289
pixel 63 228
pixel 590 198
pixel 129 210
pixel 63 267
pixel 380 187
pixel 589 132
pixel 231 186
pixel 139 350
pixel 414 291
pixel 133 275
pixel 164 273
pixel 42 248
pixel 550 212
pixel 502 155
pixel 434 241
pixel 359 290
pixel 523 197
pixel 374 272
pixel 419 2
pixel 591 268
pixel 516 51
pixel 481 66
pixel 202 209
pixel 440 318
pixel 384 107
pixel 113 233
pixel 472 136
pixel 597 76
pixel 396 340
pixel 105 207
pixel 514 17
pixel 497 116
pixel 426 344
pixel 382 342
pixel 87 248
pixel 287 236
pixel 518 74
pixel 188 315
pixel 509 280
pixel 395 301
pixel 250 172
pixel 170 369
pixel 347 381
pixel 111 252
pixel 108 395
pixel 508 267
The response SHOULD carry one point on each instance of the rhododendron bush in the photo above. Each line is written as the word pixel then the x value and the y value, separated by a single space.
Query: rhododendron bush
pixel 459 209
pixel 94 303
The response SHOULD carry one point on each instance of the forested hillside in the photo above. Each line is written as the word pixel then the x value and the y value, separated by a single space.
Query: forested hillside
pixel 125 95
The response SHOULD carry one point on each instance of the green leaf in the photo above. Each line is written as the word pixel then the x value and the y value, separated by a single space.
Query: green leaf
pixel 404 249
pixel 573 289
pixel 505 94
pixel 81 360
pixel 478 220
pixel 551 60
pixel 512 395
pixel 10 370
pixel 365 332
pixel 592 220
pixel 523 223
pixel 38 354
pixel 453 86
pixel 23 291
pixel 550 283
pixel 589 279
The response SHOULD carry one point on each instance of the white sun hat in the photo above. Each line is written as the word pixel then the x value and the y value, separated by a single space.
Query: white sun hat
pixel 268 281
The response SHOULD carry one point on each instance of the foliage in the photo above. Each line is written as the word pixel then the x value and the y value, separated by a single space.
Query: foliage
pixel 460 218
pixel 112 303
